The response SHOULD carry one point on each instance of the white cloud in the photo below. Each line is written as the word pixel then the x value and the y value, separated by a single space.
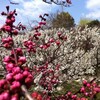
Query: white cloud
pixel 94 14
pixel 33 8
pixel 93 4
pixel 2 19
pixel 18 1
pixel 94 9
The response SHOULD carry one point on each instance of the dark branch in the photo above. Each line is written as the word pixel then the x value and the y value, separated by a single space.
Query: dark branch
pixel 13 2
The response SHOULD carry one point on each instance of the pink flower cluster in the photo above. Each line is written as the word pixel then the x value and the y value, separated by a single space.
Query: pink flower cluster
pixel 61 36
pixel 88 90
pixel 10 19
pixel 42 23
pixel 16 76
pixel 49 77
pixel 7 42
pixel 31 46
pixel 16 73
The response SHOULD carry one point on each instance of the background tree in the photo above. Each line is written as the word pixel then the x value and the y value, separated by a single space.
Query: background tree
pixel 94 23
pixel 84 21
pixel 64 19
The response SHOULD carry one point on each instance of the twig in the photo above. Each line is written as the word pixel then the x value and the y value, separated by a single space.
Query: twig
pixel 15 56
pixel 27 95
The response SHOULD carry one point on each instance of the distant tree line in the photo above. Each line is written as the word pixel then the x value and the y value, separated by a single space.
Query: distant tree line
pixel 65 20
pixel 90 23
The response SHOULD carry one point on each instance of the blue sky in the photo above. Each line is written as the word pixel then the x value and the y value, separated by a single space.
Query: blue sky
pixel 31 9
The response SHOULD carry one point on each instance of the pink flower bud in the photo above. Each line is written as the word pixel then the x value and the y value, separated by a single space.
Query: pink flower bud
pixel 11 13
pixel 69 93
pixel 15 32
pixel 14 98
pixel 25 73
pixel 16 70
pixel 8 21
pixel 94 84
pixel 59 33
pixel 15 85
pixel 2 82
pixel 40 23
pixel 18 77
pixel 45 47
pixel 83 99
pixel 13 19
pixel 19 51
pixel 39 26
pixel 9 76
pixel 82 89
pixel 38 34
pixel 7 28
pixel 97 89
pixel 5 40
pixel 22 59
pixel 39 97
pixel 29 42
pixel 1 97
pixel 7 45
pixel 88 85
pixel 30 46
pixel 86 94
pixel 49 87
pixel 10 38
pixel 34 44
pixel 34 94
pixel 26 68
pixel 6 96
pixel 41 46
pixel 30 76
pixel 6 59
pixel 84 82
pixel 53 81
pixel 28 80
pixel 51 40
pixel 9 66
pixel 48 44
pixel 57 42
pixel 74 96
pixel 44 23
